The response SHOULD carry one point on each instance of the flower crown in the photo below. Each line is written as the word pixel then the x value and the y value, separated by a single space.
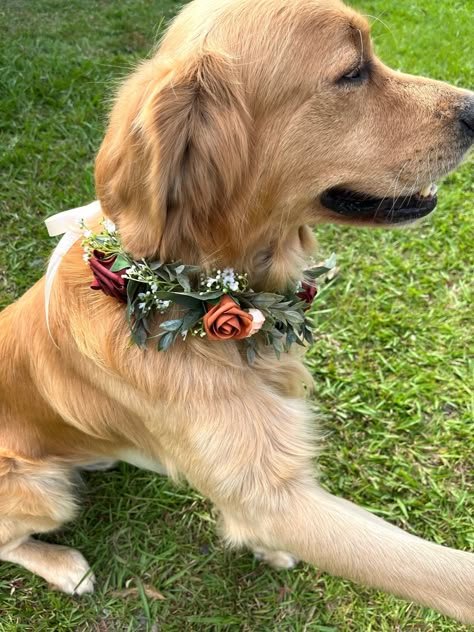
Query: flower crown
pixel 219 307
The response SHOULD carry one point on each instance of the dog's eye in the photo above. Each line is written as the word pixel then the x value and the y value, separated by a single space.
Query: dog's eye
pixel 356 73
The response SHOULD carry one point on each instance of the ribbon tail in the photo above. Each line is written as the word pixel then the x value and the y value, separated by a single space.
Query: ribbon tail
pixel 66 242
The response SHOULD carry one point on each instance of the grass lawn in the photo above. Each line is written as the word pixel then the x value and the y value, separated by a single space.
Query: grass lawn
pixel 393 372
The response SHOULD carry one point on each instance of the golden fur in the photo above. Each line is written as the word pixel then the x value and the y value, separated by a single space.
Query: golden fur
pixel 217 152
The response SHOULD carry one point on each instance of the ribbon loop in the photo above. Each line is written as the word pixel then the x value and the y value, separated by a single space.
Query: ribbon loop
pixel 68 221
pixel 67 224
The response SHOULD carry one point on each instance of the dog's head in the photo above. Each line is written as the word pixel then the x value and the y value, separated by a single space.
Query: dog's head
pixel 259 118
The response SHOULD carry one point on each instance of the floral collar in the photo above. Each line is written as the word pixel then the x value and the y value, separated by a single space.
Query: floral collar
pixel 219 306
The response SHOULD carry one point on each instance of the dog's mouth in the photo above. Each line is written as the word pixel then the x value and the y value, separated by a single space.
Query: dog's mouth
pixel 396 210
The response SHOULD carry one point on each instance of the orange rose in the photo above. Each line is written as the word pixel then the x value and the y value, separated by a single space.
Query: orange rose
pixel 226 320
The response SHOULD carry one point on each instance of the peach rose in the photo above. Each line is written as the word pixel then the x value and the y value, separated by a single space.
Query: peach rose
pixel 226 320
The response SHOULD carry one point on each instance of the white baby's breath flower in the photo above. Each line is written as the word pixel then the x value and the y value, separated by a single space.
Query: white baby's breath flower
pixel 210 281
pixel 228 279
pixel 86 257
pixel 154 287
pixel 87 233
pixel 109 226
pixel 141 305
pixel 162 306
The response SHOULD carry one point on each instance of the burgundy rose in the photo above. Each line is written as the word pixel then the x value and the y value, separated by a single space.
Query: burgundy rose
pixel 111 283
pixel 307 293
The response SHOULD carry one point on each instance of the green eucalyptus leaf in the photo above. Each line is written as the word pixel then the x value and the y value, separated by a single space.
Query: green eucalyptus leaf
pixel 169 273
pixel 172 325
pixel 146 325
pixel 291 338
pixel 263 299
pixel 192 318
pixel 162 273
pixel 277 347
pixel 314 273
pixel 184 281
pixel 155 265
pixel 281 308
pixel 300 305
pixel 308 335
pixel 276 333
pixel 201 296
pixel 317 271
pixel 166 341
pixel 133 288
pixel 184 300
pixel 280 319
pixel 120 263
pixel 191 269
pixel 294 317
pixel 139 335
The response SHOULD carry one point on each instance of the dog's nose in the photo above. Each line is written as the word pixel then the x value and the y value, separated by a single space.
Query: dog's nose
pixel 467 117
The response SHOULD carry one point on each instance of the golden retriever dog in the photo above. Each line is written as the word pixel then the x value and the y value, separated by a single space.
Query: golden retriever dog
pixel 254 121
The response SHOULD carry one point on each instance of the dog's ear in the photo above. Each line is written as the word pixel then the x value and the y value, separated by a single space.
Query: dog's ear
pixel 175 153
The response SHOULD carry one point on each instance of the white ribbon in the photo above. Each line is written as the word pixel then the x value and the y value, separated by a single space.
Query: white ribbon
pixel 67 224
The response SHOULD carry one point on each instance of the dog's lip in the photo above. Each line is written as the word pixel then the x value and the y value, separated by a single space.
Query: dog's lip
pixel 387 210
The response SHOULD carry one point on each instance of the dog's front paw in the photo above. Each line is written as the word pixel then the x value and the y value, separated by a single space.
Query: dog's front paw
pixel 277 559
pixel 73 575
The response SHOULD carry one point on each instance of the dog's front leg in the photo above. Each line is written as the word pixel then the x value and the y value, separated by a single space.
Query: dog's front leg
pixel 37 497
pixel 255 463
pixel 347 541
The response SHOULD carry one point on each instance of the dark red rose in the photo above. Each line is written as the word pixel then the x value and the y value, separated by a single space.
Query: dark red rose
pixel 307 294
pixel 111 283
